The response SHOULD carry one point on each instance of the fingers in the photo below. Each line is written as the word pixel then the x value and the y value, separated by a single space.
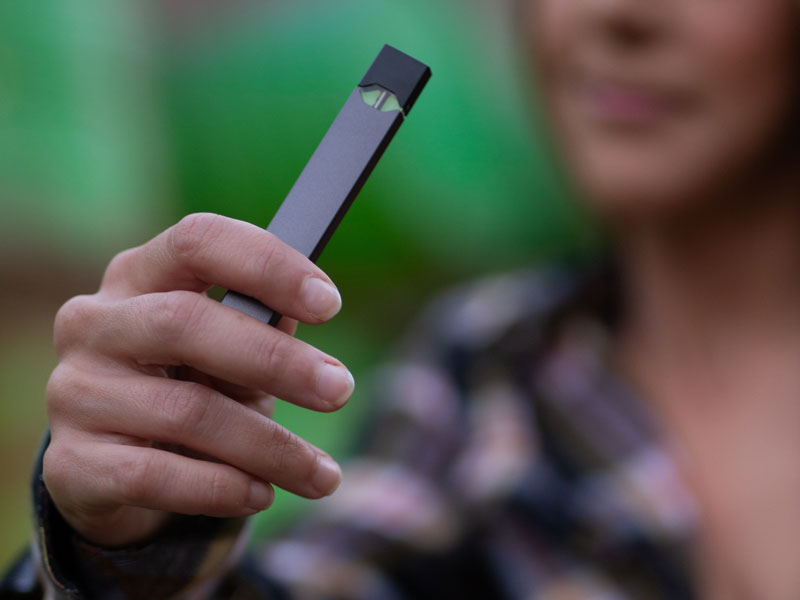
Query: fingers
pixel 113 474
pixel 205 249
pixel 257 400
pixel 129 442
pixel 186 328
pixel 195 416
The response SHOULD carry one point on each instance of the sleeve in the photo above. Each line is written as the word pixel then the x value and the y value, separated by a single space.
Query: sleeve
pixel 187 560
pixel 390 505
pixel 363 542
pixel 405 523
pixel 394 527
pixel 447 438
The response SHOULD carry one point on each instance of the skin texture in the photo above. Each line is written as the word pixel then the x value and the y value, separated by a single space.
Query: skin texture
pixel 660 106
pixel 673 118
pixel 131 444
pixel 677 120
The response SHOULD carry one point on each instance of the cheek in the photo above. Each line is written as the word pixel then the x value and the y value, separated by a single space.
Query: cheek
pixel 749 60
pixel 737 57
pixel 553 26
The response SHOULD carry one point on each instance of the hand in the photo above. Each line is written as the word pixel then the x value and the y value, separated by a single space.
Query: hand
pixel 161 399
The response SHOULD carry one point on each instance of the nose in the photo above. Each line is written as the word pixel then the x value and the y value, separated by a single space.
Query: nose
pixel 628 23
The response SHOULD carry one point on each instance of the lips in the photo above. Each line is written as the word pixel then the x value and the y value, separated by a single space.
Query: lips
pixel 630 104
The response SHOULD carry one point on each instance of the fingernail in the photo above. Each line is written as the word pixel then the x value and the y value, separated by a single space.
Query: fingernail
pixel 327 476
pixel 321 298
pixel 335 384
pixel 261 496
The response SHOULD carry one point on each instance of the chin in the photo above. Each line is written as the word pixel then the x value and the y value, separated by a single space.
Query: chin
pixel 634 196
pixel 639 182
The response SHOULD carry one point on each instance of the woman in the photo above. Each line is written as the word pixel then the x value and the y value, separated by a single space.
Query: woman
pixel 630 432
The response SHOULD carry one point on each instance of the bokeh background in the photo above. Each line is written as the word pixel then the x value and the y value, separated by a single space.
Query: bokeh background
pixel 117 117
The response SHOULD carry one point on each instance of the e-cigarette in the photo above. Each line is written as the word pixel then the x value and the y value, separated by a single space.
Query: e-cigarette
pixel 340 165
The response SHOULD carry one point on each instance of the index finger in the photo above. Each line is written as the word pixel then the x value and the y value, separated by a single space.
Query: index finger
pixel 205 249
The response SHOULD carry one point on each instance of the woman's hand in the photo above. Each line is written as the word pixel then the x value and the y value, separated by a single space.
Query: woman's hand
pixel 160 402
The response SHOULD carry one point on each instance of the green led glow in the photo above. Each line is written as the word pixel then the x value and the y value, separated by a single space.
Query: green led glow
pixel 370 95
pixel 377 97
pixel 391 103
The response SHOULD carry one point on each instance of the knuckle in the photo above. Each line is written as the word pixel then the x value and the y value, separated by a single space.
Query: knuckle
pixel 64 389
pixel 136 477
pixel 310 463
pixel 222 489
pixel 57 467
pixel 73 320
pixel 270 259
pixel 171 313
pixel 283 449
pixel 118 267
pixel 186 408
pixel 191 234
pixel 271 351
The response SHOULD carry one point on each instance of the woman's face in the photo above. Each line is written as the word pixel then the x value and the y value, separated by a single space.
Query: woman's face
pixel 660 103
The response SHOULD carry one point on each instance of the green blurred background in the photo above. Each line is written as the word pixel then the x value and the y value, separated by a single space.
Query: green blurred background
pixel 118 117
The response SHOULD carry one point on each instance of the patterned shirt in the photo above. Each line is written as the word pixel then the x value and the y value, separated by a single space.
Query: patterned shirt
pixel 508 460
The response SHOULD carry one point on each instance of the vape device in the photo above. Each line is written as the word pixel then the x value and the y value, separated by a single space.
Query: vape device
pixel 342 162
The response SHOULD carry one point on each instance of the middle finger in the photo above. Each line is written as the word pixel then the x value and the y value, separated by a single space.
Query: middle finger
pixel 177 328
